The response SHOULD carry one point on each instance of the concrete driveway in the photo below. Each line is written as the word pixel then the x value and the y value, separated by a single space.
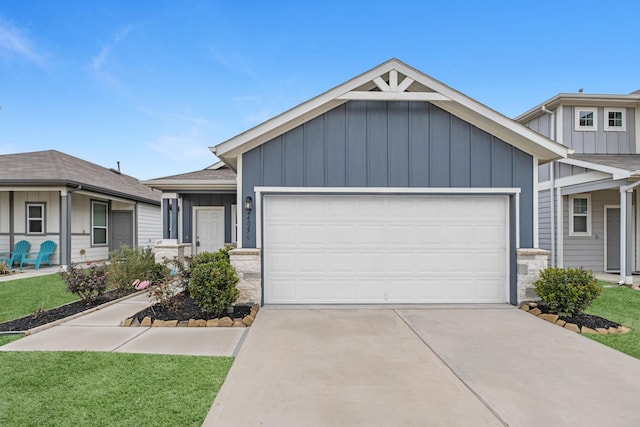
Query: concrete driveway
pixel 434 366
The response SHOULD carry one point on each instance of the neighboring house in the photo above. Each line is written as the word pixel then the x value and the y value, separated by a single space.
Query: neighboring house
pixel 87 210
pixel 390 188
pixel 205 203
pixel 588 201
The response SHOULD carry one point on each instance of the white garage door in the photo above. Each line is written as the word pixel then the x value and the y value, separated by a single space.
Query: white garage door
pixel 385 249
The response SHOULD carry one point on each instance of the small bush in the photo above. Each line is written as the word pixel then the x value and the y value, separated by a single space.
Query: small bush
pixel 88 284
pixel 213 284
pixel 128 265
pixel 567 291
pixel 207 257
pixel 4 268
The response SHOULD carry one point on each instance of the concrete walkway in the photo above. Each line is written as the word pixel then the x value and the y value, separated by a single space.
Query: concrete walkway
pixel 100 331
pixel 447 366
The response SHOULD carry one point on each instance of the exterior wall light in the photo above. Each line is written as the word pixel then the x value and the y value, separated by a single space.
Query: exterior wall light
pixel 248 203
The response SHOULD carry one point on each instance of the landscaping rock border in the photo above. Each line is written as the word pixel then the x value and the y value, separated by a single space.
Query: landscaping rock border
pixel 225 322
pixel 532 308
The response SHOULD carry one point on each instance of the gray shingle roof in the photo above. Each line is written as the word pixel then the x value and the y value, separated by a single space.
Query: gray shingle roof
pixel 53 167
pixel 630 162
pixel 222 174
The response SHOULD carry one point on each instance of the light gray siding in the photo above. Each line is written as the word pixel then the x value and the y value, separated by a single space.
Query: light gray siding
pixel 544 220
pixel 388 144
pixel 542 124
pixel 149 225
pixel 588 251
pixel 599 141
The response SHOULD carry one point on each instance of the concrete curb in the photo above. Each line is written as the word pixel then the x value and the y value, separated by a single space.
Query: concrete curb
pixel 75 316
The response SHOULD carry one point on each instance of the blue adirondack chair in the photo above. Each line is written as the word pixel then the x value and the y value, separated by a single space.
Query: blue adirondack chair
pixel 20 249
pixel 46 250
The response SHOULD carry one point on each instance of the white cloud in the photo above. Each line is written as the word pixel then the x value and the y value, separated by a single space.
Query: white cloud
pixel 14 43
pixel 99 61
pixel 190 148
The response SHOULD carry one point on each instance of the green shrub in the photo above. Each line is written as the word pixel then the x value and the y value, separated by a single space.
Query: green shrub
pixel 128 265
pixel 87 283
pixel 567 291
pixel 213 284
pixel 207 257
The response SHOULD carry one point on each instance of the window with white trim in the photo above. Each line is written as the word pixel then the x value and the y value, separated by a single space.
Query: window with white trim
pixel 614 119
pixel 586 119
pixel 35 218
pixel 580 215
pixel 99 223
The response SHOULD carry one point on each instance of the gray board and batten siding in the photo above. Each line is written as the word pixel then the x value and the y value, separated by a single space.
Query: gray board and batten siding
pixel 189 201
pixel 388 144
pixel 589 142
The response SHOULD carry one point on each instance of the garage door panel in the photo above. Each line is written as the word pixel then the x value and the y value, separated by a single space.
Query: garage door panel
pixel 377 249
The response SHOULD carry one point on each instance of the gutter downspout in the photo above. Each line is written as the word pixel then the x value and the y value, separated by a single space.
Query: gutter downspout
pixel 552 189
pixel 626 192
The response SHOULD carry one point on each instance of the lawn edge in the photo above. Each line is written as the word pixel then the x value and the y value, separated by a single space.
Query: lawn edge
pixel 73 316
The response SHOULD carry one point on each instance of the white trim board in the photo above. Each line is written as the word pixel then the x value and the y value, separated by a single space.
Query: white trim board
pixel 582 178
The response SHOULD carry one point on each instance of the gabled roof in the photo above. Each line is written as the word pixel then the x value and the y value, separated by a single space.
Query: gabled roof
pixel 217 176
pixel 51 167
pixel 619 165
pixel 394 81
pixel 581 100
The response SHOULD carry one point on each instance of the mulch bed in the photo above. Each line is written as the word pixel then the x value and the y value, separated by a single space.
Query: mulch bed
pixel 182 307
pixel 42 317
pixel 589 320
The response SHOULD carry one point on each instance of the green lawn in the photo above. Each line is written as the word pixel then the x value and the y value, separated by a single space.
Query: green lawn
pixel 6 339
pixel 22 297
pixel 621 305
pixel 107 389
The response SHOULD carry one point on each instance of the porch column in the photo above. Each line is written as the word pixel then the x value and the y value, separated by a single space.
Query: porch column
pixel 65 228
pixel 626 240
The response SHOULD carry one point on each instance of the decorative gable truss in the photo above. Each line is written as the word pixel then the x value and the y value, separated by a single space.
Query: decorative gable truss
pixel 387 88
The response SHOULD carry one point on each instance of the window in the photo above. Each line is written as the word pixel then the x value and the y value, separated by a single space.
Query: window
pixel 99 223
pixel 614 119
pixel 586 119
pixel 35 218
pixel 580 215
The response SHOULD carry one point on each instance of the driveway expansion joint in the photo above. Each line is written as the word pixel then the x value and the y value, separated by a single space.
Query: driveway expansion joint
pixel 462 381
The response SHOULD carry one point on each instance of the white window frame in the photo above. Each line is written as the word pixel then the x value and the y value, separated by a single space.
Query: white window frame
pixel 572 215
pixel 42 218
pixel 621 128
pixel 579 110
pixel 105 227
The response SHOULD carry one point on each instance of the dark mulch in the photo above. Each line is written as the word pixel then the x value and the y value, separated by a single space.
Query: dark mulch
pixel 42 317
pixel 182 307
pixel 588 320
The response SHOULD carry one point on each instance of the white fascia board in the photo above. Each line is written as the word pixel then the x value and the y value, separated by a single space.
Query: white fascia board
pixel 616 173
pixel 582 178
pixel 387 190
pixel 34 188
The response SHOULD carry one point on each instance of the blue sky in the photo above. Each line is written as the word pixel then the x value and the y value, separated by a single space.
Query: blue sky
pixel 153 84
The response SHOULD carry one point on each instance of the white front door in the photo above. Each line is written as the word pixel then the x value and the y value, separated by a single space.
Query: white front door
pixel 208 233
pixel 385 249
